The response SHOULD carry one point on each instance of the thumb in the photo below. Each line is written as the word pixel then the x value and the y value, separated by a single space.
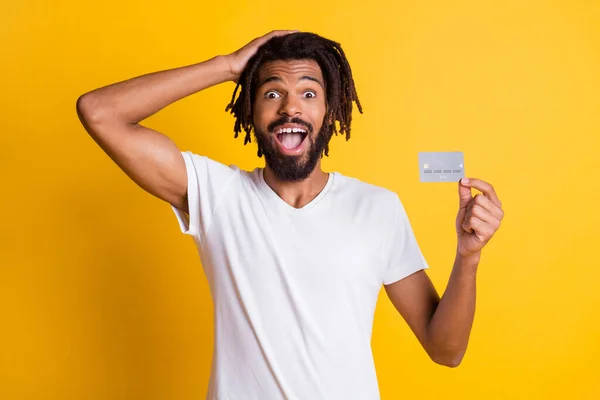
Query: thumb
pixel 464 193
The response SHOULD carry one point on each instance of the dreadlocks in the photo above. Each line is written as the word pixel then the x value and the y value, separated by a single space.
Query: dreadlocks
pixel 341 91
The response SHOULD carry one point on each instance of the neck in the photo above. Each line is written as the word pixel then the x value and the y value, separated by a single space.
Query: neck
pixel 298 194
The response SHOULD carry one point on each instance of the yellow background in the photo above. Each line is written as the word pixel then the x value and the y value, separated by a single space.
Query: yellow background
pixel 101 297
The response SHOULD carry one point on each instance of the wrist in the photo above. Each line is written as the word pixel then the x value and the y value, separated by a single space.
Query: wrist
pixel 468 261
pixel 230 72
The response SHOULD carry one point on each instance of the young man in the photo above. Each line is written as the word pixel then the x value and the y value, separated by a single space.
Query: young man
pixel 295 257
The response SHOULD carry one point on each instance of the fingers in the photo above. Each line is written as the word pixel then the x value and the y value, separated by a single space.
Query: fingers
pixel 477 212
pixel 485 188
pixel 486 204
pixel 483 230
pixel 282 32
pixel 265 38
pixel 464 196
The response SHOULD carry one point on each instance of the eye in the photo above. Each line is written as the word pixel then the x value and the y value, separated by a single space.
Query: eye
pixel 271 94
pixel 310 94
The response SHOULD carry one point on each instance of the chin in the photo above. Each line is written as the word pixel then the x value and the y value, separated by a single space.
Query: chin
pixel 291 167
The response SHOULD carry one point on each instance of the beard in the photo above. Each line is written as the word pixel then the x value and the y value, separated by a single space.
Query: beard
pixel 292 168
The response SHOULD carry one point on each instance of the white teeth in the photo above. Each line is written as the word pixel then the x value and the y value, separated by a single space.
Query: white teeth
pixel 291 130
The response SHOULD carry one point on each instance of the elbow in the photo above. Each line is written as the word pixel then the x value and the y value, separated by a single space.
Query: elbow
pixel 450 360
pixel 450 363
pixel 89 109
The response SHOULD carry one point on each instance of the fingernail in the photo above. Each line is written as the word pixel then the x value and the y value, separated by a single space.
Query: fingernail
pixel 464 180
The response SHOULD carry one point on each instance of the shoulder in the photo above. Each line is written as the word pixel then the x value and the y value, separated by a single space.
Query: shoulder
pixel 364 192
pixel 210 165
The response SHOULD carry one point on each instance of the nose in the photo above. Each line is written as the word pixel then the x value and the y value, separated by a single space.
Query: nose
pixel 290 106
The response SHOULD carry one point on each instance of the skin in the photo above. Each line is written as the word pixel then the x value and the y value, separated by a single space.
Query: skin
pixel 442 325
pixel 293 89
pixel 112 115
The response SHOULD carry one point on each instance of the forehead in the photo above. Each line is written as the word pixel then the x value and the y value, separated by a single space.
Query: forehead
pixel 289 70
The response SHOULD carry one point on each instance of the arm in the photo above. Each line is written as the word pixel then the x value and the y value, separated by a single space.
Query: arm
pixel 112 116
pixel 442 326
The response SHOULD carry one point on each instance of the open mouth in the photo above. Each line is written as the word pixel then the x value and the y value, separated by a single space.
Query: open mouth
pixel 291 138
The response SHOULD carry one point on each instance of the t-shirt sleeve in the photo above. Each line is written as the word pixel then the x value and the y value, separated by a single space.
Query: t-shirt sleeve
pixel 207 182
pixel 404 255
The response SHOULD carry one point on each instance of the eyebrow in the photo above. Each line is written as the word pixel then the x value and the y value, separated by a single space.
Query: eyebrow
pixel 305 77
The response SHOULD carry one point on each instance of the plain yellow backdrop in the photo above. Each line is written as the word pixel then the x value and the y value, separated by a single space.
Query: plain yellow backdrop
pixel 101 296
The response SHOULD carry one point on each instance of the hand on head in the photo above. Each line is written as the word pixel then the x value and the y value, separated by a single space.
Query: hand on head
pixel 238 59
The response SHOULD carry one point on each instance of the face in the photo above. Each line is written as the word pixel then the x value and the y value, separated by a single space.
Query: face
pixel 289 109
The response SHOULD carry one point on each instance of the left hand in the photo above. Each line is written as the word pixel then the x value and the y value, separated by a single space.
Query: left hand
pixel 478 217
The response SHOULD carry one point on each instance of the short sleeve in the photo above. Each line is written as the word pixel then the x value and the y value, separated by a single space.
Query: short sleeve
pixel 207 183
pixel 404 255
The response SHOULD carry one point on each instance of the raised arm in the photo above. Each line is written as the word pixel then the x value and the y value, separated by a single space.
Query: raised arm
pixel 443 326
pixel 112 116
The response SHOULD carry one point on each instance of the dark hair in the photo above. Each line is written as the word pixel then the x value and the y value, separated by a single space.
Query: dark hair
pixel 339 83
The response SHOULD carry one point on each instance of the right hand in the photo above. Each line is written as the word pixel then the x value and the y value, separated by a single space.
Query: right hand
pixel 238 60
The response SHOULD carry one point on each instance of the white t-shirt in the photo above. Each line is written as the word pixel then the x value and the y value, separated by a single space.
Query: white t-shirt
pixel 294 290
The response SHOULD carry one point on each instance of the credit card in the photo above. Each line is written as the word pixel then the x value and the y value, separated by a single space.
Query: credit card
pixel 441 166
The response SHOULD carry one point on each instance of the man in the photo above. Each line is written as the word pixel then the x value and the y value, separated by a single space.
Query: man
pixel 294 256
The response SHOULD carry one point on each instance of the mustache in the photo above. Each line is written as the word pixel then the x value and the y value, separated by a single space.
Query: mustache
pixel 288 120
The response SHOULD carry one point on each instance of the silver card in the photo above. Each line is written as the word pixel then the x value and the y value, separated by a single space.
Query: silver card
pixel 442 166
